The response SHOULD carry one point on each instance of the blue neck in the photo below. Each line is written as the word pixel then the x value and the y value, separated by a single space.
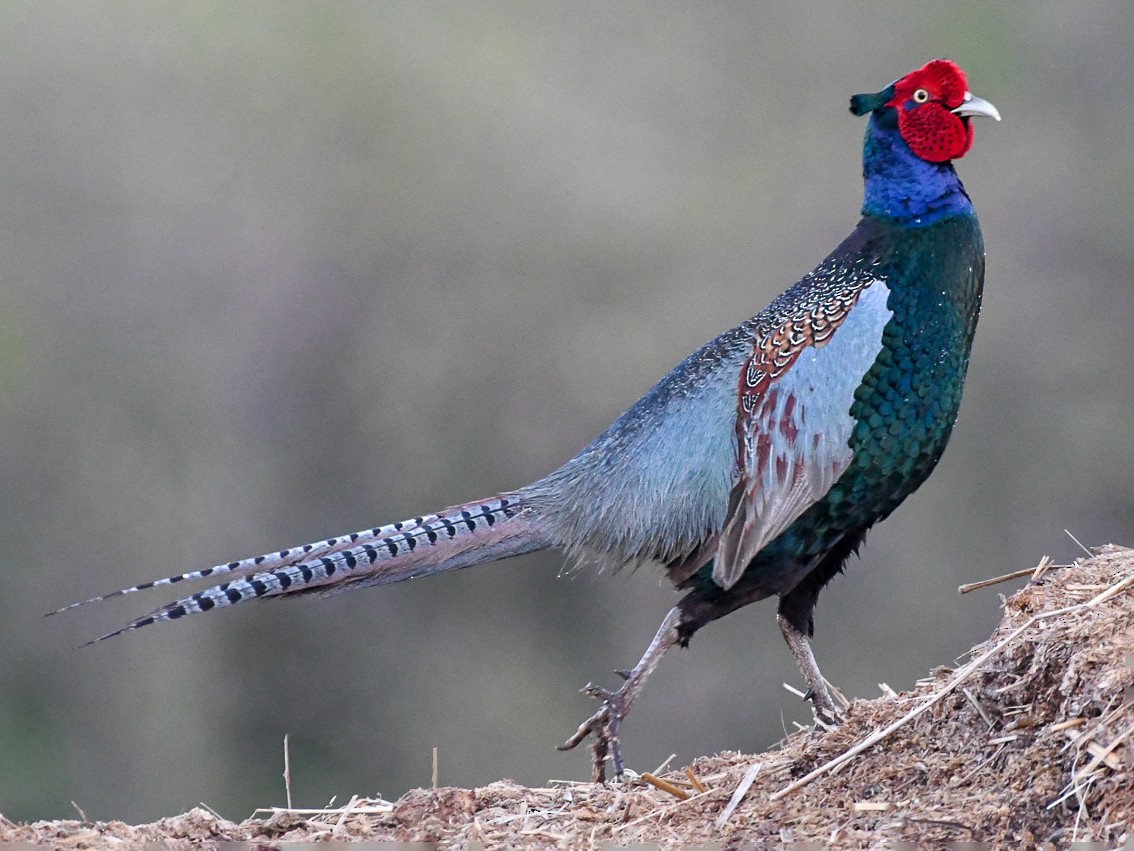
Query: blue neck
pixel 901 185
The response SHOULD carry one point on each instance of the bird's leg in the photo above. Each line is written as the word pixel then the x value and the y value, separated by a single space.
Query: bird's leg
pixel 604 725
pixel 827 715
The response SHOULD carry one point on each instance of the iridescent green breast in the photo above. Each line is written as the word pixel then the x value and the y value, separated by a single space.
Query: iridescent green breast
pixel 906 405
pixel 908 402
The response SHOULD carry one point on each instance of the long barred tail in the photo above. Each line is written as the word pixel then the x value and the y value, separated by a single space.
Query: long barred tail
pixel 457 537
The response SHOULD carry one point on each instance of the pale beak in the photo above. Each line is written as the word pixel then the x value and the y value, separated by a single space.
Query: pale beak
pixel 976 106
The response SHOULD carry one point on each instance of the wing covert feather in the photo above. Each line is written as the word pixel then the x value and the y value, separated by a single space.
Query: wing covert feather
pixel 794 423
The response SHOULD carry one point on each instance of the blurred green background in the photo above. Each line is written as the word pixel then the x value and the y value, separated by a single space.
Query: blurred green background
pixel 272 272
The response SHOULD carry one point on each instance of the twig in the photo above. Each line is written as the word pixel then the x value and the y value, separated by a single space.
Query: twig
pixel 981 765
pixel 1075 787
pixel 665 786
pixel 1101 723
pixel 871 806
pixel 837 694
pixel 1046 563
pixel 794 691
pixel 1035 572
pixel 738 795
pixel 82 816
pixel 287 770
pixel 211 810
pixel 435 769
pixel 978 707
pixel 996 580
pixel 1105 753
pixel 374 809
pixel 1080 543
pixel 1113 591
pixel 346 811
pixel 692 775
pixel 1067 725
pixel 662 768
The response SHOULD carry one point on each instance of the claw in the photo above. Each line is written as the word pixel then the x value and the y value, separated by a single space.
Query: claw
pixel 604 726
pixel 827 715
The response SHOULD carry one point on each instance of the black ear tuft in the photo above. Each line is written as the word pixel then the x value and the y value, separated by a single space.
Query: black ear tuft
pixel 866 103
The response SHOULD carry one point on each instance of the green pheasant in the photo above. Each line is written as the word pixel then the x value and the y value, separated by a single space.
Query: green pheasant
pixel 755 468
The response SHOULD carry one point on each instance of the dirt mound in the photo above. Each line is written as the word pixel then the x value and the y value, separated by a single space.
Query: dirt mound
pixel 1026 745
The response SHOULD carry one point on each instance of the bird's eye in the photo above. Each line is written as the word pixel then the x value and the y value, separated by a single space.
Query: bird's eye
pixel 921 96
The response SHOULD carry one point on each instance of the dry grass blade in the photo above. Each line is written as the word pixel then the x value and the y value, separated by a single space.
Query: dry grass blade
pixel 1034 572
pixel 1069 724
pixel 738 795
pixel 692 775
pixel 980 709
pixel 793 690
pixel 665 786
pixel 1080 543
pixel 347 810
pixel 371 809
pixel 1113 591
pixel 1105 753
pixel 837 694
pixel 871 806
pixel 656 815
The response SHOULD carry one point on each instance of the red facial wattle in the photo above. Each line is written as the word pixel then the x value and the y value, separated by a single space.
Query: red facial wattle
pixel 925 101
pixel 934 133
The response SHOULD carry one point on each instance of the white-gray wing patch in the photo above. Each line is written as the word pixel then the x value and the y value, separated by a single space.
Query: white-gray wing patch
pixel 798 440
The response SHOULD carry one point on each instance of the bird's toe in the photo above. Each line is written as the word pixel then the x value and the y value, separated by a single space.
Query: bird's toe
pixel 603 726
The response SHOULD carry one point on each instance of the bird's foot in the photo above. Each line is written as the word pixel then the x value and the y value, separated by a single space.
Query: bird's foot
pixel 827 714
pixel 604 726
